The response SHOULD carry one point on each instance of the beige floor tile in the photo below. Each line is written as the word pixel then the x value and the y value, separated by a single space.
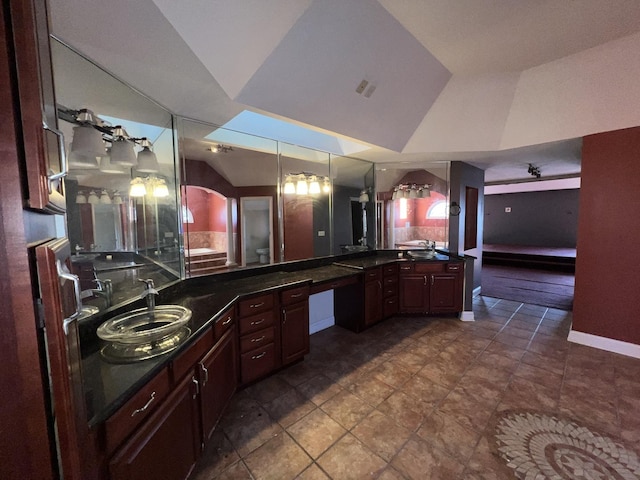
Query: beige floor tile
pixel 443 431
pixel 346 409
pixel 289 408
pixel 381 434
pixel 419 460
pixel 351 459
pixel 316 432
pixel 371 390
pixel 278 459
pixel 319 389
pixel 250 430
pixel 313 472
pixel 237 471
pixel 405 410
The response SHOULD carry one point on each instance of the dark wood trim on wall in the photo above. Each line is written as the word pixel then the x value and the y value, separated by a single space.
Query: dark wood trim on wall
pixel 25 443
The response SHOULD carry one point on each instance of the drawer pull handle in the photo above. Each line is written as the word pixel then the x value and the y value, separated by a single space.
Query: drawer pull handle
pixel 258 357
pixel 227 321
pixel 258 339
pixel 405 268
pixel 296 295
pixel 195 382
pixel 256 305
pixel 146 405
pixel 257 322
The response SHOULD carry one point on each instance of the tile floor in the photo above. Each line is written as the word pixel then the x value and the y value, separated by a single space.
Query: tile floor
pixel 419 398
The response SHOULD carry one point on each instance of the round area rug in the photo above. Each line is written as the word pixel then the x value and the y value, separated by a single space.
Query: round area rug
pixel 537 446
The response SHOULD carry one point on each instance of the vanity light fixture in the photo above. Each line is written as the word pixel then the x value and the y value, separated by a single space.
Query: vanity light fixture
pixel 137 188
pixel 301 186
pixel 314 185
pixel 411 191
pixel 81 198
pixel 93 198
pixel 92 135
pixel 289 187
pixel 160 188
pixel 147 160
pixel 117 198
pixel 219 148
pixel 305 184
pixel 364 196
pixel 105 198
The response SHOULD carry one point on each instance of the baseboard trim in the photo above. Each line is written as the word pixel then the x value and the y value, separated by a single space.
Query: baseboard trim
pixel 321 325
pixel 467 316
pixel 477 291
pixel 603 343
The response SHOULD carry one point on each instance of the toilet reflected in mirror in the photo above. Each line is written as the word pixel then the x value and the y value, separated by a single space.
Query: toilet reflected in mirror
pixel 256 215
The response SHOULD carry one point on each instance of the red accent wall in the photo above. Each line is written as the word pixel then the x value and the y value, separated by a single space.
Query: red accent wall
pixel 606 291
pixel 298 227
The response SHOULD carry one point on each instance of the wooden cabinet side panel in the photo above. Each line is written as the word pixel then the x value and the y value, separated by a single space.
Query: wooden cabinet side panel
pixel 295 332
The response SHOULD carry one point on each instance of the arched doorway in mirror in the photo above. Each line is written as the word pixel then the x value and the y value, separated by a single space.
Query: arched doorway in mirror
pixel 209 227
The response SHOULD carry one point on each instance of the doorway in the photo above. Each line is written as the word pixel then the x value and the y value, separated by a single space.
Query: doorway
pixel 256 217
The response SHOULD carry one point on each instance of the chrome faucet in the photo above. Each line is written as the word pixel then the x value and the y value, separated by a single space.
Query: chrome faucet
pixel 150 293
pixel 104 290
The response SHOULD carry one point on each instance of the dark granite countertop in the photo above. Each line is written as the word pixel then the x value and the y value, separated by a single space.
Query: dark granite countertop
pixel 109 385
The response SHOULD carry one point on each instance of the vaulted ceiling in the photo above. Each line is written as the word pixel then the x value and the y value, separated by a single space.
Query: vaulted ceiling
pixel 495 83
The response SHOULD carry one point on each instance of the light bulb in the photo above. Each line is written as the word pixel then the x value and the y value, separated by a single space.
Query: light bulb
pixel 301 187
pixel 314 186
pixel 289 187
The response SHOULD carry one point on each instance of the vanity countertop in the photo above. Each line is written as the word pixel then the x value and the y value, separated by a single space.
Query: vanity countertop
pixel 108 385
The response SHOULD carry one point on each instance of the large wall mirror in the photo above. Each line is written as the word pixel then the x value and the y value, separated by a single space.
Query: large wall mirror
pixel 122 219
pixel 413 205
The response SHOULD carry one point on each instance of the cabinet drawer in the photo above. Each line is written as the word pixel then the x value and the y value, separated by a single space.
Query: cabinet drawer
pixel 332 285
pixel 131 414
pixel 224 323
pixel 372 275
pixel 429 267
pixel 390 270
pixel 187 359
pixel 387 281
pixel 454 267
pixel 390 290
pixel 294 295
pixel 257 363
pixel 406 268
pixel 256 322
pixel 257 339
pixel 390 306
pixel 257 304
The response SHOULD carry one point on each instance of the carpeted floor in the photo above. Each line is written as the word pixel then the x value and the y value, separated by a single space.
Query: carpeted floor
pixel 539 287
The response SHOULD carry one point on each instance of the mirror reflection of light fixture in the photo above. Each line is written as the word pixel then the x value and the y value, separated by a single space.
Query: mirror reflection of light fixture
pixel 289 187
pixel 117 198
pixel 122 151
pixel 411 191
pixel 305 184
pixel 301 187
pixel 219 148
pixel 81 198
pixel 105 198
pixel 93 198
pixel 364 196
pixel 160 188
pixel 147 160
pixel 314 185
pixel 137 188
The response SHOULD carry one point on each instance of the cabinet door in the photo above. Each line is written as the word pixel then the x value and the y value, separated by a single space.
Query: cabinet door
pixel 414 294
pixel 445 294
pixel 167 445
pixel 218 379
pixel 295 332
pixel 372 302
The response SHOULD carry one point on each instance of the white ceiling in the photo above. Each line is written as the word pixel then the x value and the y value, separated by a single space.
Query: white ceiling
pixel 447 72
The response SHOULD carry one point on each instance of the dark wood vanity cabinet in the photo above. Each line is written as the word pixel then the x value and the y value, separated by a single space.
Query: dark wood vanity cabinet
pixel 430 287
pixel 294 324
pixel 173 416
pixel 167 445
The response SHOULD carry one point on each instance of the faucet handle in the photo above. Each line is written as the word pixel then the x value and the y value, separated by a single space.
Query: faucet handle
pixel 148 283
